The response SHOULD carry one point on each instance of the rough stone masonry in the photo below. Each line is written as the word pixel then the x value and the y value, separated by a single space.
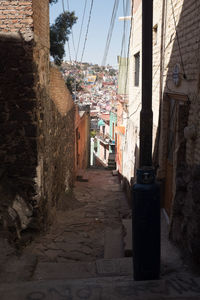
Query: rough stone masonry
pixel 36 138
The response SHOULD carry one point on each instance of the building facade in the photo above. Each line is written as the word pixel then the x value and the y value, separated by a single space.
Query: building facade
pixel 175 105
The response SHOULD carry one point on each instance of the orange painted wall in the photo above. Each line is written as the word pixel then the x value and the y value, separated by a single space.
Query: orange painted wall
pixel 119 154
pixel 82 138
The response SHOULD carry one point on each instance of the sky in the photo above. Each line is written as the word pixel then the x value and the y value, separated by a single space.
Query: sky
pixel 98 30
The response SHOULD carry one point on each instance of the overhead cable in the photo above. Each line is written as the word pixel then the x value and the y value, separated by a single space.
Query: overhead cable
pixel 81 29
pixel 129 43
pixel 71 30
pixel 178 41
pixel 110 31
pixel 63 6
pixel 88 25
pixel 125 12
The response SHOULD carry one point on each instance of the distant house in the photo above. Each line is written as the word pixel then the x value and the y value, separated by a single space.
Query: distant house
pixel 106 139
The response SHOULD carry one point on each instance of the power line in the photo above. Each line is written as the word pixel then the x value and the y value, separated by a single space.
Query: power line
pixel 124 30
pixel 179 47
pixel 125 12
pixel 110 31
pixel 81 29
pixel 129 43
pixel 71 29
pixel 63 6
pixel 89 19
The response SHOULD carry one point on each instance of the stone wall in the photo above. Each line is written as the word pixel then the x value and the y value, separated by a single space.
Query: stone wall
pixel 36 137
pixel 56 155
pixel 18 130
pixel 181 47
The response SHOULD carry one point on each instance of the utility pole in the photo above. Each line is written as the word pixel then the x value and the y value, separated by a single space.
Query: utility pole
pixel 145 193
pixel 146 114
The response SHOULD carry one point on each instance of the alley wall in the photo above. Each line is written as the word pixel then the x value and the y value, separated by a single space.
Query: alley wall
pixel 37 136
pixel 82 138
pixel 176 111
pixel 18 130
pixel 181 101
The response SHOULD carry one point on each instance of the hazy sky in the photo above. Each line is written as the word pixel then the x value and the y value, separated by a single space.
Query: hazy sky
pixel 97 35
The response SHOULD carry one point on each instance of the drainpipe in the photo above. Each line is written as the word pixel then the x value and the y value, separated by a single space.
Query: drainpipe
pixel 145 193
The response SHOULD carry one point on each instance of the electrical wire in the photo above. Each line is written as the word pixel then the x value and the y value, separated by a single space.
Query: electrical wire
pixel 124 31
pixel 110 31
pixel 129 43
pixel 71 29
pixel 123 43
pixel 81 29
pixel 127 72
pixel 70 58
pixel 88 25
pixel 179 47
pixel 109 36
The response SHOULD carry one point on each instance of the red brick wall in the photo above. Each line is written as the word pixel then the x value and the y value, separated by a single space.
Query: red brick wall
pixel 59 92
pixel 16 16
pixel 41 21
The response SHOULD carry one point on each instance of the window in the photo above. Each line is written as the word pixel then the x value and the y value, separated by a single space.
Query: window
pixel 155 34
pixel 137 68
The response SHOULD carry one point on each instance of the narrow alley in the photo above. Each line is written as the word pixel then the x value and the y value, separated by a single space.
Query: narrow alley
pixel 85 228
pixel 83 254
pixel 85 241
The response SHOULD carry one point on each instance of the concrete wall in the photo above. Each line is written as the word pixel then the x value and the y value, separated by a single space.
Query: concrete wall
pixel 37 127
pixel 176 108
pixel 131 121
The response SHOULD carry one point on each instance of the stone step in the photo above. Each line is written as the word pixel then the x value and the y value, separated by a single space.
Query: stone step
pixel 113 242
pixel 82 175
pixel 111 160
pixel 115 173
pixel 105 288
pixel 128 247
pixel 111 168
pixel 111 164
pixel 80 270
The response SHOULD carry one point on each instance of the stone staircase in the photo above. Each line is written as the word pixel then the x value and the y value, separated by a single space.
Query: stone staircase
pixel 111 161
pixel 103 279
pixel 54 272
